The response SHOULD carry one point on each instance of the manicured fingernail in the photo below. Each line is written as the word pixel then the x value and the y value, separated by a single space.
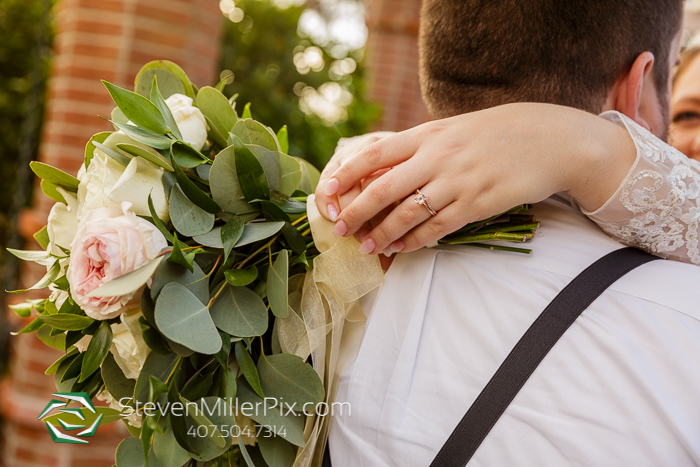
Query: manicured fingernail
pixel 397 246
pixel 362 234
pixel 340 229
pixel 367 246
pixel 387 253
pixel 332 186
pixel 332 212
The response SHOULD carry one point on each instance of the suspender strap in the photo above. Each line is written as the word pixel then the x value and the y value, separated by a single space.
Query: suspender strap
pixel 530 350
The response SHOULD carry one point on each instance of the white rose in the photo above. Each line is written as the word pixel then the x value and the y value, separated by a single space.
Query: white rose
pixel 110 242
pixel 62 223
pixel 189 119
pixel 107 183
pixel 134 418
pixel 128 347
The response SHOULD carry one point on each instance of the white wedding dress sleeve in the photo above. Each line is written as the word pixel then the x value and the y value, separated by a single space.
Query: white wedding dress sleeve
pixel 657 206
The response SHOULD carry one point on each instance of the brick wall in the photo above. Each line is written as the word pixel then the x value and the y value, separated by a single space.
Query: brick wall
pixel 392 54
pixel 97 39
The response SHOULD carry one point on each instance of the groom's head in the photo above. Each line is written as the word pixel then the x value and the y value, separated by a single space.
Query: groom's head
pixel 594 55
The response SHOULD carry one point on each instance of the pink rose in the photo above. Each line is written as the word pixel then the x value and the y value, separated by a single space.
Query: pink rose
pixel 110 242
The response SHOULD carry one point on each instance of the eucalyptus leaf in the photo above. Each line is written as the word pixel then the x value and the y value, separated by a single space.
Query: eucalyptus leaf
pixel 216 417
pixel 203 171
pixel 241 277
pixel 294 239
pixel 193 192
pixel 159 101
pixel 211 239
pixel 253 232
pixel 50 190
pixel 287 204
pixel 309 176
pixel 244 452
pixel 97 350
pixel 67 322
pixel 273 212
pixel 138 109
pixel 277 277
pixel 270 162
pixel 118 385
pixel 289 427
pixel 57 341
pixel 213 133
pixel 216 107
pixel 129 282
pixel 276 451
pixel 240 312
pixel 223 181
pixel 253 132
pixel 168 452
pixel 251 175
pixel 188 218
pixel 160 366
pixel 291 174
pixel 143 136
pixel 287 377
pixel 195 281
pixel 247 366
pixel 171 78
pixel 283 139
pixel 181 317
pixel 54 175
pixel 129 453
pixel 152 157
pixel 230 234
pixel 90 146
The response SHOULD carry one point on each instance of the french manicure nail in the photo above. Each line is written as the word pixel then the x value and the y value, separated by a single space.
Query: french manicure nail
pixel 332 186
pixel 362 234
pixel 397 246
pixel 387 253
pixel 340 229
pixel 367 246
pixel 332 212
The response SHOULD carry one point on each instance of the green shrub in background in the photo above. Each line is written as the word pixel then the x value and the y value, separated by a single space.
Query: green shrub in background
pixel 318 90
pixel 18 56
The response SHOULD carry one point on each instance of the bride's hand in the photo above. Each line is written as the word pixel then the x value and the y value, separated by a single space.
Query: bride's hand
pixel 474 166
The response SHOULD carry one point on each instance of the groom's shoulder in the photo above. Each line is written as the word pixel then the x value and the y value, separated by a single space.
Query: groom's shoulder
pixel 567 242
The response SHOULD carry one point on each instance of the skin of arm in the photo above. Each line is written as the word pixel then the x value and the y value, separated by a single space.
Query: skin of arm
pixel 471 166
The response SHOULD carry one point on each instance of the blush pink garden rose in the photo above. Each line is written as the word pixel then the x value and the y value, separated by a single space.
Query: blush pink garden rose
pixel 109 243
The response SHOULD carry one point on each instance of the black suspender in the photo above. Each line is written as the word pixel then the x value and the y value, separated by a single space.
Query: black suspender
pixel 530 350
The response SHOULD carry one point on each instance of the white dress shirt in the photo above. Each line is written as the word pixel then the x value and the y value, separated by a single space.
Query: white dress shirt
pixel 621 387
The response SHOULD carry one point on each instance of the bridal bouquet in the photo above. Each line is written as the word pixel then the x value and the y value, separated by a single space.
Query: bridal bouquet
pixel 181 265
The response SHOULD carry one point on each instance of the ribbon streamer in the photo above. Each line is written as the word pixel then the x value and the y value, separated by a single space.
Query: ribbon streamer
pixel 320 303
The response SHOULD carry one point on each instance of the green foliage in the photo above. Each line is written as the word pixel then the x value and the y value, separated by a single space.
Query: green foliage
pixel 260 52
pixel 18 29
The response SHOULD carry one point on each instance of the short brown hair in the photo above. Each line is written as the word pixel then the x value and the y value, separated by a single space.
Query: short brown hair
pixel 477 54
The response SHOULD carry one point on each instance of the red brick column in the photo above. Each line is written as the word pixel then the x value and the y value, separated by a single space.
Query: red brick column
pixel 392 62
pixel 97 39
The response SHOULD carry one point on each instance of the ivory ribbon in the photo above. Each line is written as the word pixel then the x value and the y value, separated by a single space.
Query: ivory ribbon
pixel 320 303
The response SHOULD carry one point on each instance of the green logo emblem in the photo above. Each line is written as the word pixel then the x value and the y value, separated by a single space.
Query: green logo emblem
pixel 84 418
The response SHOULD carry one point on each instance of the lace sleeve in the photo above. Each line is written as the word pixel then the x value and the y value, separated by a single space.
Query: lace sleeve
pixel 657 207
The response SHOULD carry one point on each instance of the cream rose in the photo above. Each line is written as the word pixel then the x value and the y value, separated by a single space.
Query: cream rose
pixel 107 183
pixel 189 119
pixel 128 347
pixel 132 417
pixel 110 242
pixel 62 223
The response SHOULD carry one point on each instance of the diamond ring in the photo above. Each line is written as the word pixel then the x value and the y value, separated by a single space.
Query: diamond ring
pixel 423 200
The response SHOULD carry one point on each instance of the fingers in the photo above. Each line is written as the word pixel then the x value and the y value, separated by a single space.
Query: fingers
pixel 326 204
pixel 444 223
pixel 405 217
pixel 383 154
pixel 393 186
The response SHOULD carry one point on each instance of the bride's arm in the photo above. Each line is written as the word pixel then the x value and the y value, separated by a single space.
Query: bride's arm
pixel 479 164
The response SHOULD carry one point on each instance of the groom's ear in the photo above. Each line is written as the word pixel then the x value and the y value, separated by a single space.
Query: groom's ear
pixel 635 90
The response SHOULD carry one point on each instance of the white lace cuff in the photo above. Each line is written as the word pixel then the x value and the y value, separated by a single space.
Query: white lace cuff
pixel 657 207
